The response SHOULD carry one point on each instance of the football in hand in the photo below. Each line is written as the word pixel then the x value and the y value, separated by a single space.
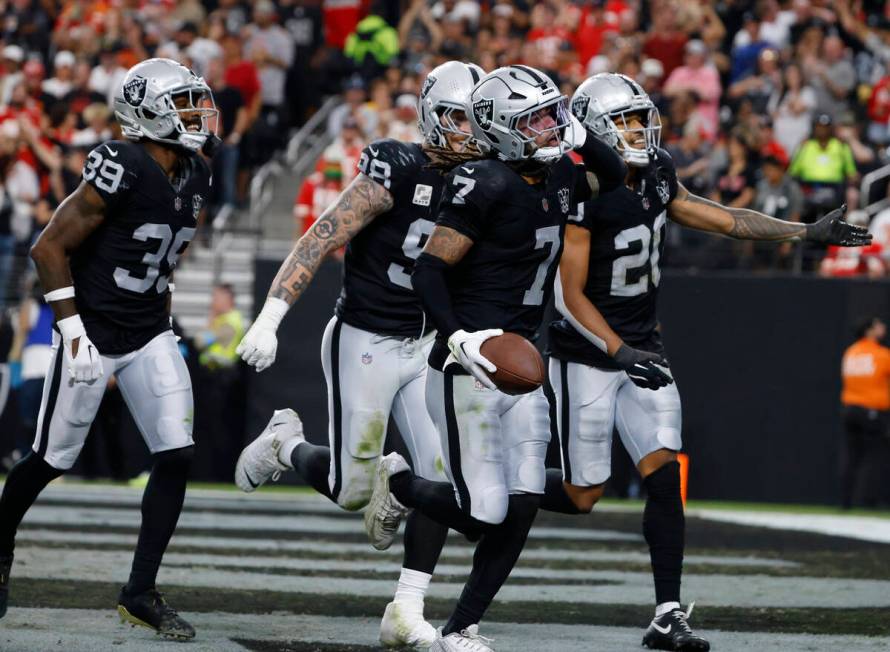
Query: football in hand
pixel 520 368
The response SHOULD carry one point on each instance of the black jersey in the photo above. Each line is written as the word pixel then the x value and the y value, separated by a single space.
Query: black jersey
pixel 377 295
pixel 627 228
pixel 506 278
pixel 122 269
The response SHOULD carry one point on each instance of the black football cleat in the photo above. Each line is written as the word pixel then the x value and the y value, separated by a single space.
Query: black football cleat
pixel 149 609
pixel 5 567
pixel 671 631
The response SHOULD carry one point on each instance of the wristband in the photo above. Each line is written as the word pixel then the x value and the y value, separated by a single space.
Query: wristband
pixel 58 295
pixel 71 328
pixel 171 287
pixel 273 311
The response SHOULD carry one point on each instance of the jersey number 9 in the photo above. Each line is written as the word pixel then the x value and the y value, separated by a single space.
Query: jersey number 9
pixel 170 247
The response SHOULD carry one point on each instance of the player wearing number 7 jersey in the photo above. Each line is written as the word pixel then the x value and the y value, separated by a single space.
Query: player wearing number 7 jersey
pixel 104 260
pixel 374 348
pixel 607 367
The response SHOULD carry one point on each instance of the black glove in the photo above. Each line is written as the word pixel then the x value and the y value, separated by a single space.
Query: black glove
pixel 643 367
pixel 832 230
pixel 211 145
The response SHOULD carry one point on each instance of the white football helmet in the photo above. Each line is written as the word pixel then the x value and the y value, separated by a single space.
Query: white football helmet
pixel 506 104
pixel 145 104
pixel 446 89
pixel 602 102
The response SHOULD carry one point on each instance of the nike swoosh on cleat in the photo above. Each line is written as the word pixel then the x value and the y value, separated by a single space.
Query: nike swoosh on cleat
pixel 255 485
pixel 663 630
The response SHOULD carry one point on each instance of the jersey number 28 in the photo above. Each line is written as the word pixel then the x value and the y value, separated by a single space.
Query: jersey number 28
pixel 649 251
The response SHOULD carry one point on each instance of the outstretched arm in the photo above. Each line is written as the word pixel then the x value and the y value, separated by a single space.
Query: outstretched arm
pixel 746 224
pixel 357 205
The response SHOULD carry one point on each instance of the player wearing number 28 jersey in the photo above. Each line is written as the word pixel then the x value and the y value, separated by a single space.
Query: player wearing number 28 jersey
pixel 105 260
pixel 374 348
pixel 607 367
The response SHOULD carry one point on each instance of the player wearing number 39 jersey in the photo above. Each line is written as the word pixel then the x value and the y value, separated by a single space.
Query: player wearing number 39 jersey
pixel 374 348
pixel 105 261
pixel 607 367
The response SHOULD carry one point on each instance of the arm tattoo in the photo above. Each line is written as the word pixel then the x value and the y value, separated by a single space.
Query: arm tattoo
pixel 357 205
pixel 447 244
pixel 751 225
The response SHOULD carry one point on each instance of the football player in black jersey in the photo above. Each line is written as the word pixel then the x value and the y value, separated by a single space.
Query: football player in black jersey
pixel 487 268
pixel 374 349
pixel 607 366
pixel 105 260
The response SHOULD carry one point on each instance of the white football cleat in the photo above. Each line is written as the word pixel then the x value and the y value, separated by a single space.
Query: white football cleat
pixel 259 459
pixel 384 513
pixel 467 640
pixel 403 626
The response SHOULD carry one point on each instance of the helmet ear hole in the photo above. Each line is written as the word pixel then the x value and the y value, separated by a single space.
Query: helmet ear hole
pixel 151 115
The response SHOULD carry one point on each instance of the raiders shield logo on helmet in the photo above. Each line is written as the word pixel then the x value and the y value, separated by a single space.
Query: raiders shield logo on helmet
pixel 427 85
pixel 134 91
pixel 483 111
pixel 579 106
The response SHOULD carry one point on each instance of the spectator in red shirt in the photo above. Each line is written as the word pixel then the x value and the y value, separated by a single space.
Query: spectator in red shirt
pixel 319 191
pixel 664 41
pixel 879 112
pixel 595 21
pixel 340 19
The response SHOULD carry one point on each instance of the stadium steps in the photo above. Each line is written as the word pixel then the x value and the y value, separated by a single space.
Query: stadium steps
pixel 198 274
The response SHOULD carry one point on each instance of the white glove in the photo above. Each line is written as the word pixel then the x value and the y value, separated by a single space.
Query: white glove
pixel 259 346
pixel 86 366
pixel 575 134
pixel 465 347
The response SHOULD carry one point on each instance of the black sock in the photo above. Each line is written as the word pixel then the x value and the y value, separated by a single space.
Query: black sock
pixel 23 484
pixel 161 505
pixel 664 527
pixel 313 463
pixel 555 498
pixel 424 539
pixel 493 560
pixel 436 500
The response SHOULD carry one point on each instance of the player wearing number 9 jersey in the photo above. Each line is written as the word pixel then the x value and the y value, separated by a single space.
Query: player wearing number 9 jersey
pixel 374 348
pixel 104 260
pixel 607 367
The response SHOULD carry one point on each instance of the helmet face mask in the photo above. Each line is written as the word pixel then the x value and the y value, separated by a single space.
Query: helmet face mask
pixel 543 129
pixel 605 104
pixel 164 101
pixel 649 133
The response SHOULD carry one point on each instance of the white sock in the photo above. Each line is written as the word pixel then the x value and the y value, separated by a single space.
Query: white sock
pixel 412 586
pixel 665 607
pixel 287 449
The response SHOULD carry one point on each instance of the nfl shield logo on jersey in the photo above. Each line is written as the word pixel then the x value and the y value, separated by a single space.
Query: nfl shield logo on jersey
pixel 563 195
pixel 134 91
pixel 645 201
pixel 545 204
pixel 197 201
pixel 177 204
pixel 367 358
pixel 483 110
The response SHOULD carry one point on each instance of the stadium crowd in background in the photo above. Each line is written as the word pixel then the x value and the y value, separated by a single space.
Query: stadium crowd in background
pixel 791 95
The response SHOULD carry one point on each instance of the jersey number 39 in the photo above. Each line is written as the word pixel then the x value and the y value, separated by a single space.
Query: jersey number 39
pixel 170 247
